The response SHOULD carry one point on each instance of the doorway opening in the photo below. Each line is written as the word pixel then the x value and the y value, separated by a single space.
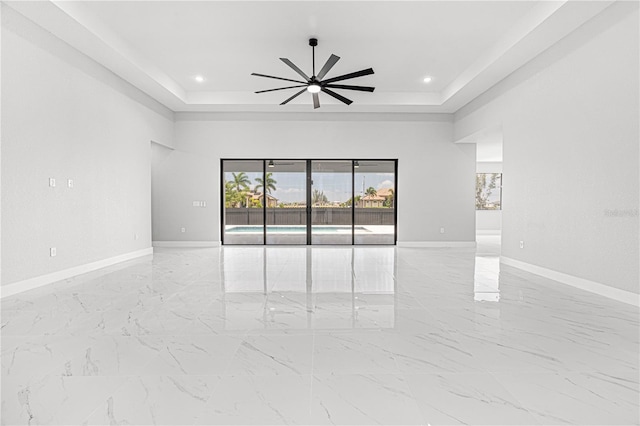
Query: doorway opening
pixel 308 202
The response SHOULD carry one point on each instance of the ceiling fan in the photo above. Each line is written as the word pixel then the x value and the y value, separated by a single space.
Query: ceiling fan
pixel 315 84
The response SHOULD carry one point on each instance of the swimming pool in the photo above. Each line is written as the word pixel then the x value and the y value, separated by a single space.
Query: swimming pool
pixel 293 229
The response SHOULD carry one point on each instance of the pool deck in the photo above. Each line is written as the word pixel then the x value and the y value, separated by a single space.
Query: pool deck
pixel 368 234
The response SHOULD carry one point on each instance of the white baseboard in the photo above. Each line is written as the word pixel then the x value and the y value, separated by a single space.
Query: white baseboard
pixel 436 244
pixel 42 280
pixel 581 283
pixel 186 244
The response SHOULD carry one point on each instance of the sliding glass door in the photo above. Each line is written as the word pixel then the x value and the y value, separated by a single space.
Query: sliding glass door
pixel 286 190
pixel 331 210
pixel 243 218
pixel 297 202
pixel 375 183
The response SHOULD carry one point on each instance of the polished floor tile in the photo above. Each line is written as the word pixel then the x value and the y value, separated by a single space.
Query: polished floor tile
pixel 259 400
pixel 474 398
pixel 350 353
pixel 268 354
pixel 363 399
pixel 55 399
pixel 322 335
pixel 589 398
pixel 144 400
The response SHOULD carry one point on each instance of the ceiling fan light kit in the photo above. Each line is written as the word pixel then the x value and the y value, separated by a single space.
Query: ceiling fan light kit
pixel 315 84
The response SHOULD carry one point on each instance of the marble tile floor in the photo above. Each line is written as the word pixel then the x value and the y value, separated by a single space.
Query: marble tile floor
pixel 322 335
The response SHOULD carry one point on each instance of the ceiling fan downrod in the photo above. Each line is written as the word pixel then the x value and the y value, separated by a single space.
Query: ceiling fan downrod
pixel 313 42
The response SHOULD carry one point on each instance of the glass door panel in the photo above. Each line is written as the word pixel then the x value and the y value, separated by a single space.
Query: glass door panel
pixel 309 202
pixel 374 202
pixel 286 190
pixel 331 191
pixel 243 219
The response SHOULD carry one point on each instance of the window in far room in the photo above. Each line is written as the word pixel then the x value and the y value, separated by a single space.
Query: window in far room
pixel 488 191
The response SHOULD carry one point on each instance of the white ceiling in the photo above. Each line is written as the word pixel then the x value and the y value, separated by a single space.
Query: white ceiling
pixel 226 42
pixel 160 46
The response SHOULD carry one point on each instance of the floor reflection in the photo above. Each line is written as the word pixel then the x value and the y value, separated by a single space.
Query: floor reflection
pixel 309 288
pixel 486 279
pixel 296 288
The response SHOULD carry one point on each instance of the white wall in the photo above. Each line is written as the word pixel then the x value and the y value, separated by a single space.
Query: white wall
pixel 178 179
pixel 489 167
pixel 66 117
pixel 488 221
pixel 435 179
pixel 570 133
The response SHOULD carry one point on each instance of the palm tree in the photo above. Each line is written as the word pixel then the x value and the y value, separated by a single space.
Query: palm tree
pixel 371 191
pixel 232 198
pixel 350 201
pixel 240 182
pixel 270 186
pixel 388 201
pixel 318 197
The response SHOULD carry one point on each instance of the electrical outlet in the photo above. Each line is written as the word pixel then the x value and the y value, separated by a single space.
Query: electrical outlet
pixel 442 230
pixel 521 244
pixel 52 182
pixel 52 252
pixel 70 183
pixel 183 230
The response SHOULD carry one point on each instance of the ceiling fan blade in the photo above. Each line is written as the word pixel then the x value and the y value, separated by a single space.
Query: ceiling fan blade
pixel 316 101
pixel 337 96
pixel 277 78
pixel 350 75
pixel 294 96
pixel 347 87
pixel 295 68
pixel 327 66
pixel 281 88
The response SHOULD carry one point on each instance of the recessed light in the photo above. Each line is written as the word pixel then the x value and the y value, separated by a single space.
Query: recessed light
pixel 427 80
pixel 199 78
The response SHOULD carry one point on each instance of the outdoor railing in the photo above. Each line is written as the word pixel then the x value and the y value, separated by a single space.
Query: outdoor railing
pixel 319 216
